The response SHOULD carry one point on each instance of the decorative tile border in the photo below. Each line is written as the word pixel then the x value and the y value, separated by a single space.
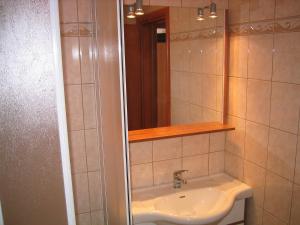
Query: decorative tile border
pixel 77 29
pixel 291 24
pixel 200 34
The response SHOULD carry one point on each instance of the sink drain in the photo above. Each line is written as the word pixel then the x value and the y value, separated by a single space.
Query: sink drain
pixel 182 196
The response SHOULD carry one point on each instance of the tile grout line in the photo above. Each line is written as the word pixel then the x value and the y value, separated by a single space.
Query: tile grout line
pixel 269 125
pixel 82 105
pixel 294 175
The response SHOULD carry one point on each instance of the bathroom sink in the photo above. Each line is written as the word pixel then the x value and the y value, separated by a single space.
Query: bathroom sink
pixel 202 201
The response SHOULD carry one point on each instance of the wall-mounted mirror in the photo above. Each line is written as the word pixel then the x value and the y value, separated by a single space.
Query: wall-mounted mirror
pixel 175 66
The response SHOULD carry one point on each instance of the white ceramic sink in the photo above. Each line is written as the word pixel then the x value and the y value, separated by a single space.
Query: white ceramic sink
pixel 202 201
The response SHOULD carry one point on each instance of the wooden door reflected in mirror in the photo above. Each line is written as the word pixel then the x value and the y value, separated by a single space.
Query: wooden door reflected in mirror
pixel 175 67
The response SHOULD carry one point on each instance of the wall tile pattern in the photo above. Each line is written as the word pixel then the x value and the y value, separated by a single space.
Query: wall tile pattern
pixel 196 82
pixel 264 105
pixel 153 162
pixel 77 32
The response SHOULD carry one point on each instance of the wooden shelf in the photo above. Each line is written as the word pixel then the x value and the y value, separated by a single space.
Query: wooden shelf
pixel 176 131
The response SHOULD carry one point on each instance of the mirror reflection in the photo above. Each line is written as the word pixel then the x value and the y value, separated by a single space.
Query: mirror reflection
pixel 174 65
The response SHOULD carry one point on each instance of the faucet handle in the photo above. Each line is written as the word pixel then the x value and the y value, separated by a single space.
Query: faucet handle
pixel 179 172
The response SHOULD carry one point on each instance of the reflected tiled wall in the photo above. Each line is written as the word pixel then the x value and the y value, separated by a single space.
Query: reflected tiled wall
pixel 197 56
pixel 77 32
pixel 153 162
pixel 264 105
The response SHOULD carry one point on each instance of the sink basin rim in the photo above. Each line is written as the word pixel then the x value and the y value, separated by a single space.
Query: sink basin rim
pixel 242 191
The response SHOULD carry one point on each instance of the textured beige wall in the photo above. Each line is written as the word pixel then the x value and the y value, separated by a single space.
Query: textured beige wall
pixel 264 105
pixel 78 48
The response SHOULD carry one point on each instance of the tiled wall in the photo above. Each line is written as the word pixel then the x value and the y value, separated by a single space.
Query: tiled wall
pixel 153 162
pixel 77 23
pixel 196 56
pixel 264 105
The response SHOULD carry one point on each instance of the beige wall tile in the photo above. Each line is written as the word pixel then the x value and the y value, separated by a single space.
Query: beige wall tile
pixel 166 2
pixel 287 57
pixel 85 10
pixel 68 11
pixel 70 57
pixel 140 152
pixel 195 113
pixel 81 192
pixel 285 103
pixel 237 96
pixel 295 216
pixel 95 190
pixel 89 106
pixel 278 196
pixel 195 89
pixel 86 57
pixel 235 140
pixel 238 11
pixel 97 218
pixel 179 19
pixel 234 166
pixel 216 162
pixel 220 94
pixel 260 56
pixel 180 85
pixel 262 9
pixel 175 84
pixel 286 8
pixel 209 92
pixel 238 56
pixel 194 3
pixel 210 115
pixel 269 219
pixel 74 107
pixel 197 166
pixel 210 59
pixel 179 112
pixel 255 177
pixel 77 152
pixel 282 153
pixel 141 175
pixel 258 101
pixel 92 149
pixel 217 141
pixel 83 219
pixel 163 170
pixel 169 148
pixel 195 144
pixel 196 56
pixel 256 143
pixel 297 171
pixel 179 55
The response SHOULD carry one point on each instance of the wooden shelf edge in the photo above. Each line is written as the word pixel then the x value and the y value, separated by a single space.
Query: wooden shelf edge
pixel 177 131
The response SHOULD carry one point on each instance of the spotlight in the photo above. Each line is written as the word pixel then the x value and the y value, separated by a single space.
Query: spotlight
pixel 130 13
pixel 213 10
pixel 139 8
pixel 200 14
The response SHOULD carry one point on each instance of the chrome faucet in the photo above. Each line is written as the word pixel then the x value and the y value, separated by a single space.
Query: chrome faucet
pixel 178 178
